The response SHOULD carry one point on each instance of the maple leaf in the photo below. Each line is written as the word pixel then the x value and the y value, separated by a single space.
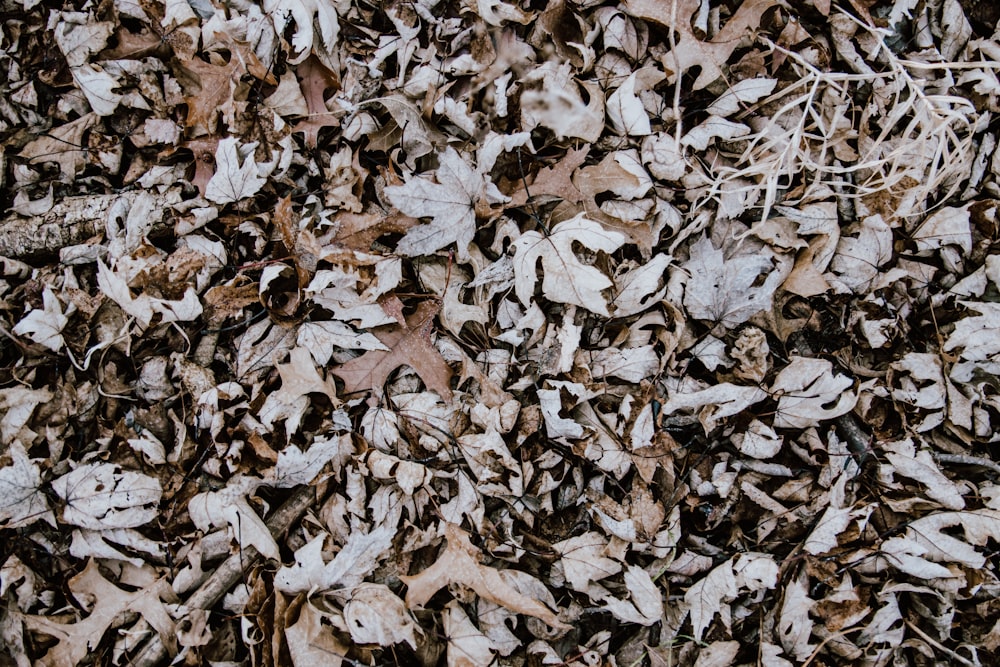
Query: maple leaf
pixel 452 204
pixel 22 501
pixel 722 290
pixel 299 378
pixel 566 279
pixel 408 344
pixel 45 325
pixel 216 83
pixel 459 564
pixel 237 175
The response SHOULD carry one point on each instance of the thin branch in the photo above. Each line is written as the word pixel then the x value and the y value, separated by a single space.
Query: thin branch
pixel 229 573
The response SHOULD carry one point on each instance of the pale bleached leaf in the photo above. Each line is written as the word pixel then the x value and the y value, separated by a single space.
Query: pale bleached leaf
pixel 236 173
pixel 22 501
pixel 565 278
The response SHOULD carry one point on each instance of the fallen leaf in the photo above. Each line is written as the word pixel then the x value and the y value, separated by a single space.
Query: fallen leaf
pixel 406 344
pixel 459 564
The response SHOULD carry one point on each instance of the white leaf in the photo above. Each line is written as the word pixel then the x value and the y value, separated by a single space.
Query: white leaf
pixel 228 507
pixel 646 597
pixel 467 646
pixel 664 156
pixel 97 86
pixel 920 466
pixel 566 279
pixel 708 596
pixel 906 555
pixel 376 615
pixel 722 290
pixel 21 500
pixel 625 110
pixel 236 174
pixel 979 526
pixel 835 520
pixel 358 559
pixel 759 441
pixel 306 14
pixel 715 402
pixel 711 128
pixel 102 495
pixel 633 364
pixel 450 203
pixel 947 226
pixel 584 559
pixel 17 404
pixel 746 91
pixel 295 467
pixel 639 289
pixel 977 335
pixel 795 625
pixel 718 654
pixel 45 325
pixel 805 388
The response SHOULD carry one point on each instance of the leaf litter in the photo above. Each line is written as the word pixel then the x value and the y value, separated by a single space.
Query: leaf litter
pixel 509 333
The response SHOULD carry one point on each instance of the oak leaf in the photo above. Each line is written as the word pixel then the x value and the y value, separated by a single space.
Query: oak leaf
pixel 459 564
pixel 76 640
pixel 690 51
pixel 408 344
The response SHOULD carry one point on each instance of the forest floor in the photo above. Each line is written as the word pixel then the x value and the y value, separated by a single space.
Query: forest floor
pixel 478 332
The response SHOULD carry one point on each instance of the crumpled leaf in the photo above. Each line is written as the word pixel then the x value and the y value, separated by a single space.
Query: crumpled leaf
pixel 295 467
pixel 749 571
pixel 376 615
pixel 229 507
pixel 920 466
pixel 566 279
pixel 805 387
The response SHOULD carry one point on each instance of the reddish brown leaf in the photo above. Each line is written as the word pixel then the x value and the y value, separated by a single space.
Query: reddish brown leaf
pixel 409 345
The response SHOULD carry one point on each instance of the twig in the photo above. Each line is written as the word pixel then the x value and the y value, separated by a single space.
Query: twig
pixel 967 460
pixel 938 645
pixel 230 571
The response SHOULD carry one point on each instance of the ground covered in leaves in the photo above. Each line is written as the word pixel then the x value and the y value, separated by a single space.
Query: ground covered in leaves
pixel 479 332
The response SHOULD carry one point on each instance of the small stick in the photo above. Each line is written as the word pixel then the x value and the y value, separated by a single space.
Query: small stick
pixel 228 574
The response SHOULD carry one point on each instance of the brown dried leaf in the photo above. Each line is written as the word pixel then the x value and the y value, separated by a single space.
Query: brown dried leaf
pixel 459 564
pixel 409 344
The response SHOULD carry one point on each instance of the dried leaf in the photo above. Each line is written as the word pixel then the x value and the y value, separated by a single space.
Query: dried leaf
pixel 407 344
pixel 459 564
